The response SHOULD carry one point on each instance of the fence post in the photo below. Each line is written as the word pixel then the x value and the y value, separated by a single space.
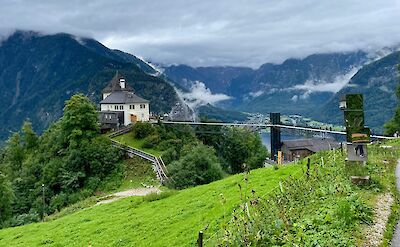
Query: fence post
pixel 200 239
pixel 308 167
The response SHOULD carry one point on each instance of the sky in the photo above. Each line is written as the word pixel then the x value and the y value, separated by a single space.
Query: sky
pixel 210 32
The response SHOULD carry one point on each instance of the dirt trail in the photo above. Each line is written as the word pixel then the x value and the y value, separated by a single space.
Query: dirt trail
pixel 396 236
pixel 127 193
pixel 374 233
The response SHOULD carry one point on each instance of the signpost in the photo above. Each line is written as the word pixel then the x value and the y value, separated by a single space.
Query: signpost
pixel 357 135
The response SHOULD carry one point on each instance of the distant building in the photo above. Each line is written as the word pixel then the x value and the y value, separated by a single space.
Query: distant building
pixel 120 106
pixel 297 149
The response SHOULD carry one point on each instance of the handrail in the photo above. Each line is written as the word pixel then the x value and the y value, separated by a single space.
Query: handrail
pixel 272 125
pixel 158 168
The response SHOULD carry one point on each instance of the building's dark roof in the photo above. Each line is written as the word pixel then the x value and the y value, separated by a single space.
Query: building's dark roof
pixel 314 145
pixel 123 97
pixel 114 86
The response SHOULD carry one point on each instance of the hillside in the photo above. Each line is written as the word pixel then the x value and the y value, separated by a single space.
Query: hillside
pixel 294 87
pixel 287 206
pixel 378 82
pixel 39 72
pixel 173 221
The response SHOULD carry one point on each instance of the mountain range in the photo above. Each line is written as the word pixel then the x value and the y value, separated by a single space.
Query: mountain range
pixel 39 72
pixel 310 86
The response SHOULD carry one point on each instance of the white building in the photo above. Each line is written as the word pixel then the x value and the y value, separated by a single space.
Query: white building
pixel 120 106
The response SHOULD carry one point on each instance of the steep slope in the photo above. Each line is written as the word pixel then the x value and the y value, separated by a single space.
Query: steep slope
pixel 377 81
pixel 39 72
pixel 171 221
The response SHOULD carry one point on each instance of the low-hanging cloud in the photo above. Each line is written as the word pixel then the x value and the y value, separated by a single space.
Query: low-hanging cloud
pixel 338 83
pixel 201 95
pixel 208 32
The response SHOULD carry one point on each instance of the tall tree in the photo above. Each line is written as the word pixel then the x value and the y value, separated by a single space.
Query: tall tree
pixel 6 198
pixel 241 146
pixel 30 138
pixel 79 121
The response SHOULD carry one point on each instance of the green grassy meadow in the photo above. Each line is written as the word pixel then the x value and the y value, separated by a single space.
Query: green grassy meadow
pixel 128 139
pixel 171 221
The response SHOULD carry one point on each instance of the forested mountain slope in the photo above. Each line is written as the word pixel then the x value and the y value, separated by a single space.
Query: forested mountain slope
pixel 39 72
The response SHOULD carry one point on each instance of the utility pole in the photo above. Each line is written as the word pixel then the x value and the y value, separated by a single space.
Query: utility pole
pixel 275 118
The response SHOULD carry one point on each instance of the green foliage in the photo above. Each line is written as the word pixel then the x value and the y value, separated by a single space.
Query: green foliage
pixel 198 166
pixel 79 122
pixel 66 68
pixel 142 130
pixel 178 217
pixel 70 159
pixel 241 146
pixel 151 141
pixel 6 199
pixel 30 138
pixel 321 208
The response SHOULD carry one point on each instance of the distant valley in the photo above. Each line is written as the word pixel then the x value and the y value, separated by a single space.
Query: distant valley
pixel 39 72
pixel 309 86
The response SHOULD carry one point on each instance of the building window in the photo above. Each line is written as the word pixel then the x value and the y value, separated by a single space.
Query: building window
pixel 115 107
pixel 132 107
pixel 121 107
pixel 142 106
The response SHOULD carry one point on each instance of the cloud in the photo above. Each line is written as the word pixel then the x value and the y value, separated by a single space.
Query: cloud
pixel 256 94
pixel 319 86
pixel 201 95
pixel 207 32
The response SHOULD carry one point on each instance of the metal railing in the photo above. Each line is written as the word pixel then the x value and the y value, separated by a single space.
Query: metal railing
pixel 158 164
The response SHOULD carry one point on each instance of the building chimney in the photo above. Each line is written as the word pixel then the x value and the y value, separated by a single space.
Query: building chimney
pixel 122 82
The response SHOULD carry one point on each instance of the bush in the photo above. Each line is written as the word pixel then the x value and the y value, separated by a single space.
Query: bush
pixel 158 196
pixel 23 219
pixel 151 141
pixel 241 146
pixel 141 130
pixel 58 201
pixel 200 166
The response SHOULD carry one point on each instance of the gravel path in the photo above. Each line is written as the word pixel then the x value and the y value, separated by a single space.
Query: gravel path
pixel 127 193
pixel 374 233
pixel 396 235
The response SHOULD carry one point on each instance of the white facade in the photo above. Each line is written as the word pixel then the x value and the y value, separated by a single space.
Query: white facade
pixel 138 111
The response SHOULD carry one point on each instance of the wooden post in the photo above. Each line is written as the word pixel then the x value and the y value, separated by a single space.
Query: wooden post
pixel 200 239
pixel 308 167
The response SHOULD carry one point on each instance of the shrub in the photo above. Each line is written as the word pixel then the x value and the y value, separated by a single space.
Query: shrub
pixel 141 130
pixel 241 146
pixel 58 201
pixel 158 196
pixel 151 141
pixel 23 219
pixel 200 166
